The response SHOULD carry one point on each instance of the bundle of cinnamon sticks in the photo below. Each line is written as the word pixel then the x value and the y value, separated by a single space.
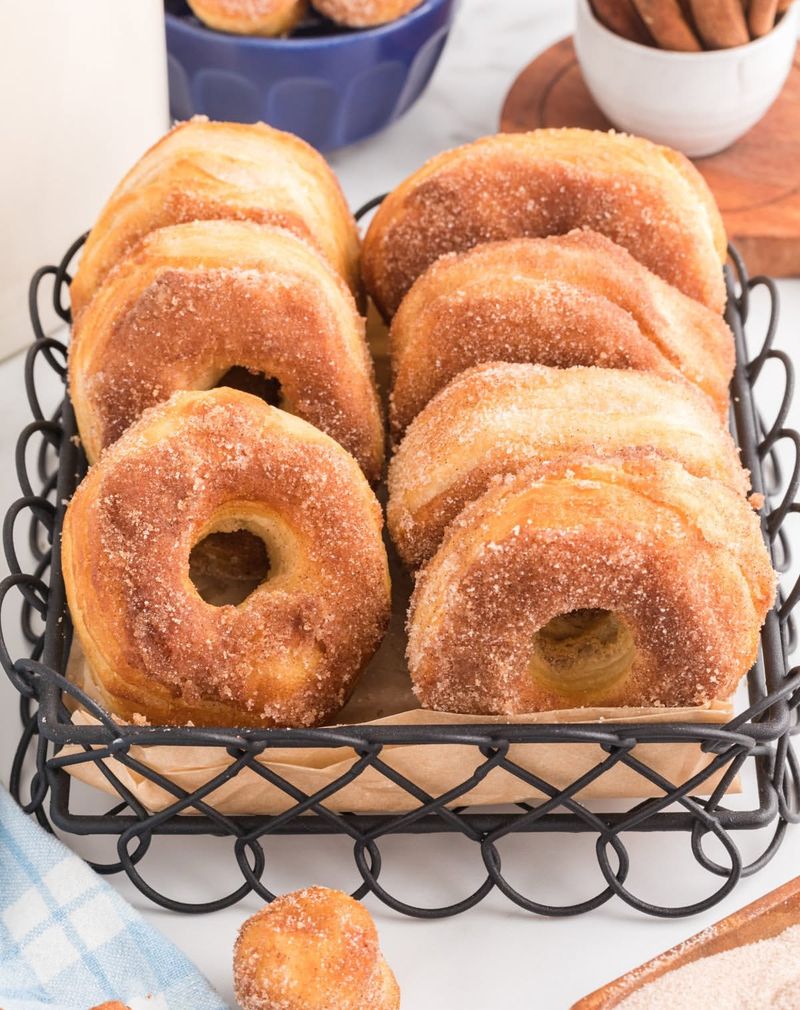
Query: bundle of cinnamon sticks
pixel 690 25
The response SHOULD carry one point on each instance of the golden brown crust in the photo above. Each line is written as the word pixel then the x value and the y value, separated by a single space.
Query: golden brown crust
pixel 666 23
pixel 620 17
pixel 194 300
pixel 315 949
pixel 721 23
pixel 203 170
pixel 250 17
pixel 364 13
pixel 647 198
pixel 576 299
pixel 219 461
pixel 497 419
pixel 679 559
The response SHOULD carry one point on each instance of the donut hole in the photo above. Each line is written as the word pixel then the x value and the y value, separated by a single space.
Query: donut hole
pixel 583 652
pixel 227 566
pixel 265 387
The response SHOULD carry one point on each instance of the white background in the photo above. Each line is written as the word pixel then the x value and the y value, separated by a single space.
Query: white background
pixel 495 955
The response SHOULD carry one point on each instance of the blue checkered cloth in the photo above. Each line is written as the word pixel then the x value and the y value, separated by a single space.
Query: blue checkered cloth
pixel 69 941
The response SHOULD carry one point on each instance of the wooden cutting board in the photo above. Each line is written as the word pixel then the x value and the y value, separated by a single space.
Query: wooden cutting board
pixel 765 918
pixel 756 181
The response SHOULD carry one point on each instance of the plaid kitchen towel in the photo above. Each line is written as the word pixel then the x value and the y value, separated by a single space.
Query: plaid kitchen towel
pixel 69 941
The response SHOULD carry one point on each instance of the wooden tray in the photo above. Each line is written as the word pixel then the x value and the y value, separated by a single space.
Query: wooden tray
pixel 756 181
pixel 765 918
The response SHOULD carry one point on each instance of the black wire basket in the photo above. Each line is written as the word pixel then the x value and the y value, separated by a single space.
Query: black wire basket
pixel 758 739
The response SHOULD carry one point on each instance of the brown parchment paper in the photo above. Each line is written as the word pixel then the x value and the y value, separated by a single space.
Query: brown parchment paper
pixel 384 697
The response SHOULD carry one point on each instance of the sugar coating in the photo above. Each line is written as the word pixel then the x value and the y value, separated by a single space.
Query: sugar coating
pixel 249 9
pixel 363 13
pixel 757 976
pixel 204 170
pixel 646 198
pixel 250 17
pixel 576 299
pixel 289 654
pixel 314 949
pixel 495 419
pixel 679 557
pixel 195 299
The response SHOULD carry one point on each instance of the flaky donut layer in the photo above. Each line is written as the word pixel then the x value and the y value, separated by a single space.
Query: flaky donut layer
pixel 497 419
pixel 250 17
pixel 315 949
pixel 194 300
pixel 200 463
pixel 364 13
pixel 585 582
pixel 576 299
pixel 647 198
pixel 204 170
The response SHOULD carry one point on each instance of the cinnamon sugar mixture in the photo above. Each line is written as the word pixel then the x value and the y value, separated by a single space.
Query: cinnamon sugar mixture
pixel 758 976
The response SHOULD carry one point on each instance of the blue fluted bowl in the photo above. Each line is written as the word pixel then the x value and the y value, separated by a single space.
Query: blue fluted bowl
pixel 329 85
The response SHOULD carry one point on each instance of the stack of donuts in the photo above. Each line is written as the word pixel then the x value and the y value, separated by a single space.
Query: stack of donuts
pixel 224 393
pixel 562 484
pixel 563 479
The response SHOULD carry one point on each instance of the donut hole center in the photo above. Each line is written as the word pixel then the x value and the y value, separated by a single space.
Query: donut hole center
pixel 583 652
pixel 227 566
pixel 265 387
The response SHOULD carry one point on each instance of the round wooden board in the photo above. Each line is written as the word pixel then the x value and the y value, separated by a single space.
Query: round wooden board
pixel 756 181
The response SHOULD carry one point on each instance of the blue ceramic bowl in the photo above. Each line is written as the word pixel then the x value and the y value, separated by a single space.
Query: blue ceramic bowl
pixel 331 86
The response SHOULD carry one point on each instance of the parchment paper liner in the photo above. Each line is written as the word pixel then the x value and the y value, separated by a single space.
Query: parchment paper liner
pixel 384 698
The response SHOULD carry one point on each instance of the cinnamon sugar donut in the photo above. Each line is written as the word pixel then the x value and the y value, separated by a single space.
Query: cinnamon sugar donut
pixel 250 17
pixel 575 299
pixel 497 419
pixel 647 198
pixel 201 463
pixel 315 949
pixel 364 13
pixel 591 582
pixel 202 170
pixel 193 301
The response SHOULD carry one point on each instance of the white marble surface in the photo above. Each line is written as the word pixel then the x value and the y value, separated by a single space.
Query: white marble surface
pixel 494 955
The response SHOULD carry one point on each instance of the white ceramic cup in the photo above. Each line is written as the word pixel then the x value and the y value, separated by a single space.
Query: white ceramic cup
pixel 698 103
